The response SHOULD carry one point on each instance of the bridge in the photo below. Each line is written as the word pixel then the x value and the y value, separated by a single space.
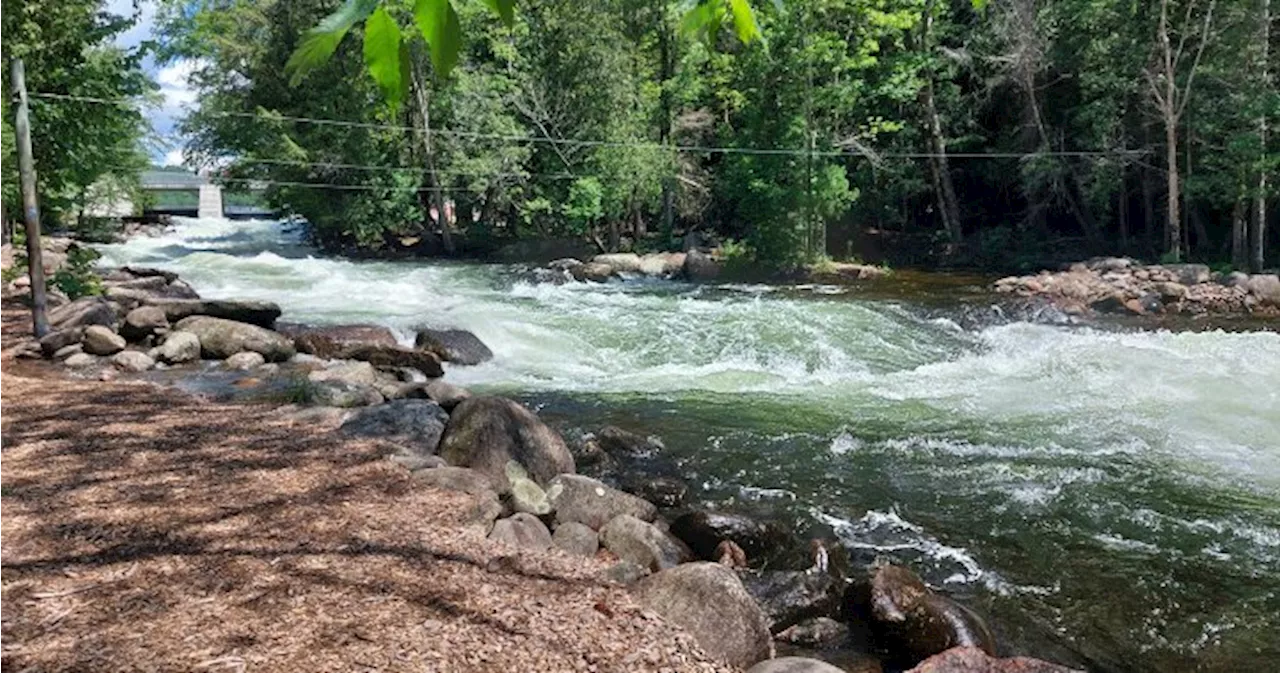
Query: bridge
pixel 193 195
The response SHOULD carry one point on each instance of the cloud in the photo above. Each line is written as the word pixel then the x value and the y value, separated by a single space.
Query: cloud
pixel 175 84
pixel 172 158
pixel 143 29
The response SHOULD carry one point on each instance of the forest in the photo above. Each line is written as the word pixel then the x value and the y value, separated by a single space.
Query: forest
pixel 993 134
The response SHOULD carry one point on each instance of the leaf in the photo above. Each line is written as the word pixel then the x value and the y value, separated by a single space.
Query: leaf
pixel 505 9
pixel 382 55
pixel 442 31
pixel 744 21
pixel 320 42
pixel 703 19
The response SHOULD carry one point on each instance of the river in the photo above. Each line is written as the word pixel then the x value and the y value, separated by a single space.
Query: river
pixel 1107 496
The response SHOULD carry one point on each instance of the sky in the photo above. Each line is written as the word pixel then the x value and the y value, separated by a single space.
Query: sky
pixel 172 78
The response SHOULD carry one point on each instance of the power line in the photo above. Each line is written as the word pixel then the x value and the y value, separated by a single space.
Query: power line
pixel 701 149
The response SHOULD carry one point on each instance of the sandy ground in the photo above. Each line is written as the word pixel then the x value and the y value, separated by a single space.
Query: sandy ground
pixel 146 530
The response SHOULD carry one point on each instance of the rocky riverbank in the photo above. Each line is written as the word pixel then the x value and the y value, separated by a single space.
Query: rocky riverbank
pixel 743 587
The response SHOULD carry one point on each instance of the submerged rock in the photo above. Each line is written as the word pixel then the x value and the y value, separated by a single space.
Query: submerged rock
pixel 709 601
pixel 453 345
pixel 486 432
pixel 616 441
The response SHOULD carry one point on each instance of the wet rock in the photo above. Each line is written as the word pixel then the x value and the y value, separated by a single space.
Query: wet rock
pixel 709 601
pixel 704 531
pixel 221 338
pixel 132 361
pixel 914 623
pixel 57 340
pixel 974 660
pixel 82 313
pixel 794 665
pixel 353 372
pixel 788 597
pixel 699 266
pixel 99 340
pixel 132 272
pixel 179 347
pixel 258 313
pixel 342 394
pixel 416 424
pixel 641 543
pixel 588 451
pixel 663 491
pixel 446 395
pixel 454 479
pixel 487 432
pixel 143 322
pixel 819 632
pixel 244 361
pixel 576 539
pixel 329 342
pixel 589 501
pixel 522 530
pixel 453 345
pixel 80 360
pixel 616 441
pixel 592 271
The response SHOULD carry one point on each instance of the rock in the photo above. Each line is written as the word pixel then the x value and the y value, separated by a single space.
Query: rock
pixel 794 665
pixel 259 313
pixel 57 340
pixel 788 597
pixel 221 338
pixel 522 530
pixel 663 491
pixel 486 432
pixel 526 495
pixel 1171 292
pixel 704 531
pixel 1189 274
pixel 414 462
pixel 132 361
pixel 453 345
pixel 588 451
pixel 1112 303
pixel 615 440
pixel 564 264
pixel 82 313
pixel 699 266
pixel 1104 264
pixel 80 360
pixel 179 347
pixel 576 539
pixel 446 395
pixel 243 361
pixel 329 341
pixel 662 264
pixel 416 424
pixel 390 357
pixel 619 262
pixel 1236 278
pixel 624 572
pixel 974 660
pixel 454 479
pixel 588 501
pixel 1266 287
pixel 357 373
pixel 482 512
pixel 592 271
pixel 99 340
pixel 143 322
pixel 132 272
pixel 916 623
pixel 709 601
pixel 641 543
pixel 815 633
pixel 342 394
pixel 67 351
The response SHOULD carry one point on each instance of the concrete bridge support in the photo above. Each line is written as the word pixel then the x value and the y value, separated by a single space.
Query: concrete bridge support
pixel 210 201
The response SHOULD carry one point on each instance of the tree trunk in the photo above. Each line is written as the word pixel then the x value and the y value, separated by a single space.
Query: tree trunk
pixel 1257 258
pixel 1240 234
pixel 1173 213
pixel 615 234
pixel 1148 210
pixel 431 194
pixel 944 188
pixel 666 72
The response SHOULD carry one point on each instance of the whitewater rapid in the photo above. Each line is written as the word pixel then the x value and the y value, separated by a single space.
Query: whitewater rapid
pixel 1040 462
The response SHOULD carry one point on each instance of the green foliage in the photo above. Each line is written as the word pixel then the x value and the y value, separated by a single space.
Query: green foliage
pixel 76 278
pixel 585 204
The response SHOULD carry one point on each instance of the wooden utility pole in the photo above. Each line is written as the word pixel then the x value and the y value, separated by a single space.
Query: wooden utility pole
pixel 30 208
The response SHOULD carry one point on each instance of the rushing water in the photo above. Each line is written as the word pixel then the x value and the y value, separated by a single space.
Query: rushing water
pixel 1108 497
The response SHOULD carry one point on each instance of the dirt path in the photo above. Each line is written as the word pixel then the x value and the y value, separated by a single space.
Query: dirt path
pixel 145 530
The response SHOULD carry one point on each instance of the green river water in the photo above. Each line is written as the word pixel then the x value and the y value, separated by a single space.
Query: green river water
pixel 1107 496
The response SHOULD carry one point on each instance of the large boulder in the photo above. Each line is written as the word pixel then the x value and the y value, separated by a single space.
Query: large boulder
pixel 143 322
pixel 620 262
pixel 259 313
pixel 179 347
pixel 393 357
pixel 522 530
pixel 704 531
pixel 453 345
pixel 914 623
pixel 588 501
pixel 641 543
pixel 594 272
pixel 330 341
pixel 83 312
pixel 794 665
pixel 699 266
pixel 662 264
pixel 788 597
pixel 576 539
pixel 221 338
pixel 416 424
pixel 99 340
pixel 1266 287
pixel 486 433
pixel 709 601
pixel 974 660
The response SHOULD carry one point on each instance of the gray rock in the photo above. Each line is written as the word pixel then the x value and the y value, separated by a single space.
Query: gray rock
pixel 526 495
pixel 522 530
pixel 624 572
pixel 446 395
pixel 794 665
pixel 641 543
pixel 57 340
pixel 1266 287
pixel 974 660
pixel 453 345
pixel 416 424
pixel 486 433
pixel 67 351
pixel 589 501
pixel 616 441
pixel 80 360
pixel 619 262
pixel 259 313
pixel 576 539
pixel 594 272
pixel 699 266
pixel 132 361
pixel 815 633
pixel 100 340
pixel 709 601
pixel 915 623
pixel 82 313
pixel 179 347
pixel 342 394
pixel 788 597
pixel 244 361
pixel 354 372
pixel 482 512
pixel 330 341
pixel 455 479
pixel 143 322
pixel 221 338
pixel 1189 274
